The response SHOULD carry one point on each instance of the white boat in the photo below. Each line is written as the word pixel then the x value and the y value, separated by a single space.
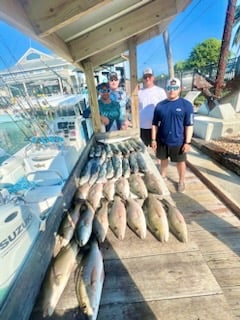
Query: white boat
pixel 32 180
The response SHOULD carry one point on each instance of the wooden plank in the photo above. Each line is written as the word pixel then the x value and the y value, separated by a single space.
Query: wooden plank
pixel 227 276
pixel 148 279
pixel 232 294
pixel 114 248
pixel 157 277
pixel 204 307
pixel 120 29
pixel 222 260
pixel 55 15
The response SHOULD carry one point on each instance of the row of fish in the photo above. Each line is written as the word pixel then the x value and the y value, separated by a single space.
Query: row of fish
pixel 112 161
pixel 116 190
pixel 89 277
pixel 152 211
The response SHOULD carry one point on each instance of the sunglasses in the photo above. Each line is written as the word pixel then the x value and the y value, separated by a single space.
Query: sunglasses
pixel 114 79
pixel 147 76
pixel 174 88
pixel 104 90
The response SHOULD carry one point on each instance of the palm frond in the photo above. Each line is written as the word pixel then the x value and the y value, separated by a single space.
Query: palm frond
pixel 236 16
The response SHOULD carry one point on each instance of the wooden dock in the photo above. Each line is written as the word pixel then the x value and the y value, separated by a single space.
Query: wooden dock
pixel 146 279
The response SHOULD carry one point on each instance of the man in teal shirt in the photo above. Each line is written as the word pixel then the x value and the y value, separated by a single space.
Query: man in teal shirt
pixel 109 110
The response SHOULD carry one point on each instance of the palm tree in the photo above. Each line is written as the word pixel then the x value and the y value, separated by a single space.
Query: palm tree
pixel 236 23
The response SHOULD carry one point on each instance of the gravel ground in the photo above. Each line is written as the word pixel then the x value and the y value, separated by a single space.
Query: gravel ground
pixel 225 150
pixel 229 145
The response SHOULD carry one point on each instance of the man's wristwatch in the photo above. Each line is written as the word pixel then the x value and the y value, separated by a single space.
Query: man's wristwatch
pixel 187 142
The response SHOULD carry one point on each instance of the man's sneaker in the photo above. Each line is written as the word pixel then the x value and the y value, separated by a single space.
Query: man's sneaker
pixel 181 187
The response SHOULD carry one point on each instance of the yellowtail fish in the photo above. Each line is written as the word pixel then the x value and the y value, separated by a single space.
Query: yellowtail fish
pixel 89 281
pixel 57 277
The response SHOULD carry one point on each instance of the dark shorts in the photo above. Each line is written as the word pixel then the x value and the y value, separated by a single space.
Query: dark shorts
pixel 146 136
pixel 174 153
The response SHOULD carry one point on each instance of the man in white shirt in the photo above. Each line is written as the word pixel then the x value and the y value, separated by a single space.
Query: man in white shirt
pixel 148 97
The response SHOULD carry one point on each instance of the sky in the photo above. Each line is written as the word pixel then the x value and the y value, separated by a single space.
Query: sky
pixel 201 20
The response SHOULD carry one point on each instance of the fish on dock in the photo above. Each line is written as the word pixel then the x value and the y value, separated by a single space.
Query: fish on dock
pixel 152 183
pixel 68 225
pixel 100 221
pixel 177 224
pixel 136 218
pixel 156 218
pixel 117 217
pixel 84 226
pixel 95 194
pixel 57 277
pixel 122 188
pixel 109 190
pixel 89 281
pixel 137 186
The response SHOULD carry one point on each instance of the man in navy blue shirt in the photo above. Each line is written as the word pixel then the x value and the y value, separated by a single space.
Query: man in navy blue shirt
pixel 172 130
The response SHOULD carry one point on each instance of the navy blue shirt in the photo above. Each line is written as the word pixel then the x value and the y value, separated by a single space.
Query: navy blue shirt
pixel 171 117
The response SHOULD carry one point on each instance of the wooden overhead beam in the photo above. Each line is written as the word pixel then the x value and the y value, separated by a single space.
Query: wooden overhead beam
pixel 121 29
pixel 49 16
pixel 109 54
pixel 12 13
pixel 153 32
pixel 117 50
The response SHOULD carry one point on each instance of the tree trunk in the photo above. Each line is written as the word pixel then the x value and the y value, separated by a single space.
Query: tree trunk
pixel 225 47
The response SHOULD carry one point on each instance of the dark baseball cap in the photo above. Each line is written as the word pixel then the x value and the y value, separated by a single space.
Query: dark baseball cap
pixel 113 75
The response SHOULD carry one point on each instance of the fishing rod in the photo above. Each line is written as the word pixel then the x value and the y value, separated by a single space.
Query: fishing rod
pixel 57 74
pixel 32 109
pixel 22 94
pixel 16 123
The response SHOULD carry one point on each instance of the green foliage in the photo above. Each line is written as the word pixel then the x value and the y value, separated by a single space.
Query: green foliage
pixel 200 100
pixel 180 66
pixel 205 53
pixel 236 38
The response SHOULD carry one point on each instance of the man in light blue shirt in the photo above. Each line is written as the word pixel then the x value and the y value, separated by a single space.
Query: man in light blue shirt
pixel 119 95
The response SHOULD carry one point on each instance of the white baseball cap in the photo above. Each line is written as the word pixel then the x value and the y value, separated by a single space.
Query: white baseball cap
pixel 174 82
pixel 148 71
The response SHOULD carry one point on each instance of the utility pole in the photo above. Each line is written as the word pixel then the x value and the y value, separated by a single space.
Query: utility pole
pixel 224 52
pixel 168 53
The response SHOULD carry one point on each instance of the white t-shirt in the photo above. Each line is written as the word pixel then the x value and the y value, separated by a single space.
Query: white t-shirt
pixel 148 99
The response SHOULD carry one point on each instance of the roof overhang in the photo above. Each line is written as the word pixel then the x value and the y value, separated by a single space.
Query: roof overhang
pixel 91 30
